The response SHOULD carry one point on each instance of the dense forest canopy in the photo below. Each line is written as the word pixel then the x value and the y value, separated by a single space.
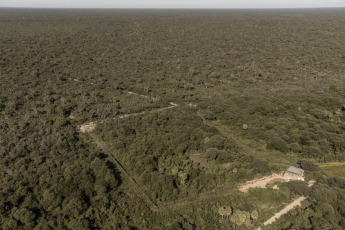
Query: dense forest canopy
pixel 247 93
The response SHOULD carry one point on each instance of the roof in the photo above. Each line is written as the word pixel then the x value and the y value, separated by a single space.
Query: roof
pixel 295 170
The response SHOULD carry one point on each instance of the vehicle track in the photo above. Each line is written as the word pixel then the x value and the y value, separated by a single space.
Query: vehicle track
pixel 289 207
pixel 132 183
pixel 90 126
pixel 163 207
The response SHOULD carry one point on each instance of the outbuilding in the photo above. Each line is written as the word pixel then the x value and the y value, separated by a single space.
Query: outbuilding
pixel 294 173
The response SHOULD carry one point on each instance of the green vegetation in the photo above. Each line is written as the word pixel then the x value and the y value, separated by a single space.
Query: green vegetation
pixel 251 92
pixel 334 169
pixel 325 209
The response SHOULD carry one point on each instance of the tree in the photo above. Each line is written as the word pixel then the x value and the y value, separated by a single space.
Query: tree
pixel 222 211
pixel 241 218
pixel 228 211
pixel 254 215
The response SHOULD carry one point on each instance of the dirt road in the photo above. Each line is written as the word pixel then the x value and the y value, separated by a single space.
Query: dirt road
pixel 285 210
pixel 131 182
pixel 90 126
pixel 172 105
pixel 262 182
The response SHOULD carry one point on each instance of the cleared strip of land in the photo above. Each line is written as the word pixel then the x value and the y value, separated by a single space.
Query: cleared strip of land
pixel 90 126
pixel 285 210
pixel 336 169
pixel 264 181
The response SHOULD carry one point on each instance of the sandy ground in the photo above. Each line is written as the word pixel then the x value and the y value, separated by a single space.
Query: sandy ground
pixel 196 159
pixel 285 210
pixel 289 207
pixel 275 187
pixel 88 127
pixel 262 182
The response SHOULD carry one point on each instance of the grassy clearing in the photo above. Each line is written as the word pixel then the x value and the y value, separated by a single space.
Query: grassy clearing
pixel 334 169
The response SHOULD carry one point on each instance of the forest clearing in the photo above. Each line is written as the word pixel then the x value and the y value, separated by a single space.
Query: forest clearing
pixel 264 181
pixel 334 169
pixel 154 119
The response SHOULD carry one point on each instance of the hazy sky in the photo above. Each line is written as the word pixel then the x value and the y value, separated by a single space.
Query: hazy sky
pixel 173 3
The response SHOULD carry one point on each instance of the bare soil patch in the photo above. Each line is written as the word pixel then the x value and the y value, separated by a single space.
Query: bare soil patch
pixel 264 181
pixel 275 187
pixel 88 127
pixel 196 159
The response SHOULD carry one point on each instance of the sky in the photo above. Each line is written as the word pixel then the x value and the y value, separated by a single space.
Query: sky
pixel 172 3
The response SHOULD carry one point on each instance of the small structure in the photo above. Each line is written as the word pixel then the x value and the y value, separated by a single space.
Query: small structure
pixel 293 173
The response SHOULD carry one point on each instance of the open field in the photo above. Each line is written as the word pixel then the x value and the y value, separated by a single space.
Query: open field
pixel 334 169
pixel 103 111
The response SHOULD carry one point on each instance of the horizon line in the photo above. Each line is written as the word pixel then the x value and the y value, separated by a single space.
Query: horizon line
pixel 170 8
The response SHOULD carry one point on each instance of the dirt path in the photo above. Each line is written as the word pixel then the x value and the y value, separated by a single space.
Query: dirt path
pixel 140 95
pixel 285 210
pixel 180 203
pixel 160 207
pixel 228 133
pixel 172 105
pixel 132 183
pixel 289 207
pixel 90 126
pixel 262 182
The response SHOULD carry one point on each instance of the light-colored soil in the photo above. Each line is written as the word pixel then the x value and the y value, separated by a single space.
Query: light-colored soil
pixel 311 183
pixel 71 117
pixel 172 105
pixel 289 207
pixel 88 127
pixel 140 95
pixel 264 181
pixel 196 159
pixel 178 204
pixel 285 210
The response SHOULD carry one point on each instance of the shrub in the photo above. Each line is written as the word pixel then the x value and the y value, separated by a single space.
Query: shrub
pixel 278 144
pixel 307 165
